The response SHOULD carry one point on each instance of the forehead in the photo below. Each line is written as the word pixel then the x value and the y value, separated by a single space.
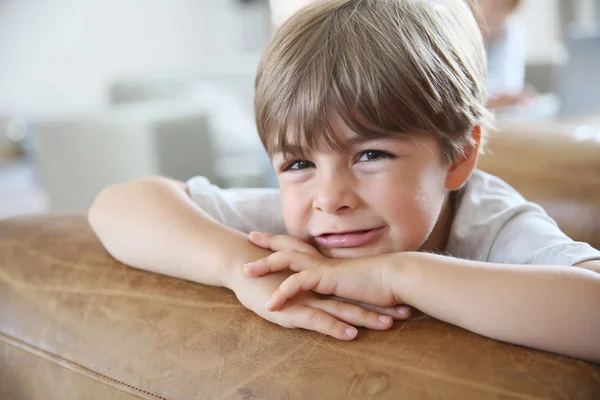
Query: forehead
pixel 334 134
pixel 299 134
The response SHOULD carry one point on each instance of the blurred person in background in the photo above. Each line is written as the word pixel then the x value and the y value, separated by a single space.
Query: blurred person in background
pixel 504 38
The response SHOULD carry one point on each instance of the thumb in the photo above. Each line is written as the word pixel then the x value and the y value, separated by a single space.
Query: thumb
pixel 261 239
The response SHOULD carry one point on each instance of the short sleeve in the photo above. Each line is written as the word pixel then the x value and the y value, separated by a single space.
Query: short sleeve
pixel 242 209
pixel 532 237
pixel 494 223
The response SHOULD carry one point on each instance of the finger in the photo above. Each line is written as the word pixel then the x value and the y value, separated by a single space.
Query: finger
pixel 285 242
pixel 306 280
pixel 286 259
pixel 261 239
pixel 317 320
pixel 399 312
pixel 353 314
pixel 282 242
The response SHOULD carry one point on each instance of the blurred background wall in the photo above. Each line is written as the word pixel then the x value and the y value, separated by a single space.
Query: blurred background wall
pixel 59 56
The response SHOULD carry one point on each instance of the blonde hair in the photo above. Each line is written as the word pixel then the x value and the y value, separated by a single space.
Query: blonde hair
pixel 386 67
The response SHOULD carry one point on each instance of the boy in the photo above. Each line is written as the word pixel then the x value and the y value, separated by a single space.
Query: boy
pixel 372 113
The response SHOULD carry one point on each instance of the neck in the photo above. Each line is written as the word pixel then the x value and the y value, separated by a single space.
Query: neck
pixel 438 238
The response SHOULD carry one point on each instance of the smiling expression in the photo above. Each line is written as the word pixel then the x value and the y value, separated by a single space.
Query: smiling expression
pixel 383 195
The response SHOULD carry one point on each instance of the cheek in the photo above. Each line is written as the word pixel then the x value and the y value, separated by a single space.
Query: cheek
pixel 415 205
pixel 428 203
pixel 430 194
pixel 295 209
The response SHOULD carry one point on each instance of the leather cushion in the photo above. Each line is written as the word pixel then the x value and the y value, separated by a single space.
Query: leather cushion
pixel 62 295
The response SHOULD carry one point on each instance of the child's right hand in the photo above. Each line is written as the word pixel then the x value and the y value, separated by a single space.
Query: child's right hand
pixel 285 242
pixel 307 310
pixel 329 315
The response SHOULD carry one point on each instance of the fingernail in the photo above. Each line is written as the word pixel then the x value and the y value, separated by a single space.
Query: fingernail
pixel 246 266
pixel 269 304
pixel 384 319
pixel 351 332
pixel 253 263
pixel 402 310
pixel 260 233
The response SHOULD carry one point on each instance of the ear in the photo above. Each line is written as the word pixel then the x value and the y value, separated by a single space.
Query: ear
pixel 460 170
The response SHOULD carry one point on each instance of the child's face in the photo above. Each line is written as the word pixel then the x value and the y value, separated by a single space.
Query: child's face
pixel 386 195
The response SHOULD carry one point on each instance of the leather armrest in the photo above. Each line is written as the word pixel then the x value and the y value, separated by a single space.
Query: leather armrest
pixel 65 300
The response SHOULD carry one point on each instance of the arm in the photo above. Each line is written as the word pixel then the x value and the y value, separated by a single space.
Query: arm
pixel 552 308
pixel 152 224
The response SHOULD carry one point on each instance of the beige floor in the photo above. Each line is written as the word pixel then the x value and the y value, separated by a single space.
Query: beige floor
pixel 20 189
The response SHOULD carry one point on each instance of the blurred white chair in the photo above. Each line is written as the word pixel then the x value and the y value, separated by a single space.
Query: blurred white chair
pixel 80 156
pixel 226 99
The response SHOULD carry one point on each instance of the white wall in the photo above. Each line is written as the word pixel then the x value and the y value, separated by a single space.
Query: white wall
pixel 542 21
pixel 58 56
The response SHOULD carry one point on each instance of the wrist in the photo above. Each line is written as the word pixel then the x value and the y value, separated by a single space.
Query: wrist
pixel 401 271
pixel 245 252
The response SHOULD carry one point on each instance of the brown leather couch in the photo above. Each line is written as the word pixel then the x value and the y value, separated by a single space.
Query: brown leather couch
pixel 76 324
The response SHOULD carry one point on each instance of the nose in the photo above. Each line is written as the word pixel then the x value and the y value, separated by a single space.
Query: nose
pixel 335 194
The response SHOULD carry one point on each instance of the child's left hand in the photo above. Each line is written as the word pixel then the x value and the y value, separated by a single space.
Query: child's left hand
pixel 365 280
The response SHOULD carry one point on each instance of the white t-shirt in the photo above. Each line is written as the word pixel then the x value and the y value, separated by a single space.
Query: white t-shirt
pixel 492 223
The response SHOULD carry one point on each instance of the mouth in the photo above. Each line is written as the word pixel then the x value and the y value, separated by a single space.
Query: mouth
pixel 349 238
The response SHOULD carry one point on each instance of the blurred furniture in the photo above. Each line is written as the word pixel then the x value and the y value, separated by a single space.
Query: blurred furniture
pixel 555 163
pixel 20 190
pixel 9 148
pixel 79 156
pixel 178 128
pixel 226 97
pixel 577 83
pixel 75 323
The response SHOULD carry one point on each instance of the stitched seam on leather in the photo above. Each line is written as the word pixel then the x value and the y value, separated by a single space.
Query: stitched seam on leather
pixel 10 340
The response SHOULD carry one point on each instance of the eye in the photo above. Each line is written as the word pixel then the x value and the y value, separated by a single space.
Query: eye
pixel 374 155
pixel 297 165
